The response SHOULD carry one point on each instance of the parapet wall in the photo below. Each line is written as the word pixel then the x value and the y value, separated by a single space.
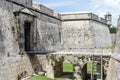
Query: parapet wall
pixel 46 10
pixel 82 16
pixel 27 3
pixel 84 30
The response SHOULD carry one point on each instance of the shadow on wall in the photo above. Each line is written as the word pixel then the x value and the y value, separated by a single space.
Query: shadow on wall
pixel 37 67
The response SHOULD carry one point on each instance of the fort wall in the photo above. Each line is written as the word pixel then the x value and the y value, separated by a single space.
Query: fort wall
pixel 114 69
pixel 84 30
pixel 50 31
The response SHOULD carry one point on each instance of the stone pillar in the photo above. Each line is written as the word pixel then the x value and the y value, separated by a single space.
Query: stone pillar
pixel 58 68
pixel 77 75
pixel 50 69
pixel 84 72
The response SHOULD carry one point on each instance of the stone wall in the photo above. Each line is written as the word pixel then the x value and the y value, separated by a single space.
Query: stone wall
pixel 48 33
pixel 101 35
pixel 114 69
pixel 77 34
pixel 84 32
pixel 113 38
pixel 13 66
pixel 27 3
pixel 46 28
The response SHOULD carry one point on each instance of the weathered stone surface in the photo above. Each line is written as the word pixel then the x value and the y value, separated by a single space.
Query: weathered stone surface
pixel 113 38
pixel 114 69
pixel 87 33
pixel 27 3
pixel 48 33
pixel 77 60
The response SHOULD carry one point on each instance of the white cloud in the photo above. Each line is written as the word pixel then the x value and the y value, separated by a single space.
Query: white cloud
pixel 112 3
pixel 101 7
pixel 106 3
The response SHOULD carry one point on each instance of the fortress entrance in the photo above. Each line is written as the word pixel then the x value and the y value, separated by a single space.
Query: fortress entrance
pixel 27 33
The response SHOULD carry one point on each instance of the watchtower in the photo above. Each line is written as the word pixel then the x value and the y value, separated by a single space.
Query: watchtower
pixel 108 18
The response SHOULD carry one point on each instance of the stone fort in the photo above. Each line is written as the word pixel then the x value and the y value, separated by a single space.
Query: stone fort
pixel 35 39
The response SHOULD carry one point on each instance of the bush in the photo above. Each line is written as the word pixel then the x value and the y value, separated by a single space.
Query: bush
pixel 112 30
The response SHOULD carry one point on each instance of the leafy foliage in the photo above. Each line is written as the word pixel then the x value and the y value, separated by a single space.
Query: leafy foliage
pixel 112 30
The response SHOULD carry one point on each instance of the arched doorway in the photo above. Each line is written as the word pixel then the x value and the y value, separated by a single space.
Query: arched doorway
pixel 63 69
pixel 67 69
pixel 93 70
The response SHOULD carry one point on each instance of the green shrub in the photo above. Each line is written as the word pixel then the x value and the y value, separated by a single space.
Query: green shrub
pixel 112 30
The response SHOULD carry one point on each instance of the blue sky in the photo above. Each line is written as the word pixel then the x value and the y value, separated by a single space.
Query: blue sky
pixel 99 7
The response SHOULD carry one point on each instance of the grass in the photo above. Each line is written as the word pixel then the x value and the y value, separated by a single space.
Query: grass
pixel 40 77
pixel 108 47
pixel 89 66
pixel 67 67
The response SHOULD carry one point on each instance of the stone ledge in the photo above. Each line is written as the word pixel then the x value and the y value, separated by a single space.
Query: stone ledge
pixel 82 16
